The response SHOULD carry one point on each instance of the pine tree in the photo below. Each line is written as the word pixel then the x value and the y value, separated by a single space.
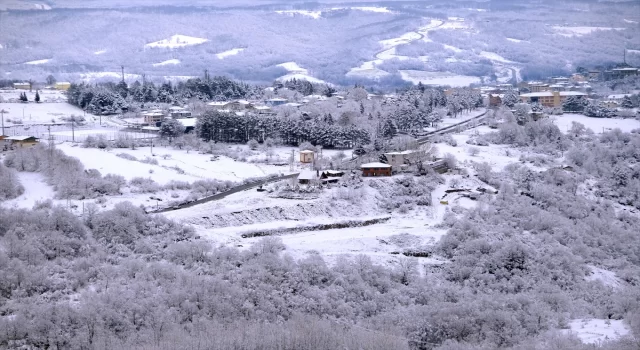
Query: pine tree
pixel 626 102
pixel 389 129
pixel 37 99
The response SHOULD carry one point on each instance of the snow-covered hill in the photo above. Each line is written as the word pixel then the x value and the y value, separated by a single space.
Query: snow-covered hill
pixel 176 41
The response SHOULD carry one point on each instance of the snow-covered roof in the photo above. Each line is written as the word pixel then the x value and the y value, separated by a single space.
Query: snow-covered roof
pixel 152 114
pixel 187 122
pixel 626 69
pixel 20 138
pixel 306 151
pixel 375 165
pixel 293 104
pixel 262 108
pixel 151 128
pixel 176 108
pixel 307 175
pixel 403 152
pixel 618 96
pixel 217 103
pixel 550 94
pixel 277 99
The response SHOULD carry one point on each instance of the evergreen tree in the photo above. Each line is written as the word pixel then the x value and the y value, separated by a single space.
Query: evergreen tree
pixel 574 104
pixel 171 128
pixel 389 129
pixel 626 102
pixel 510 99
pixel 37 98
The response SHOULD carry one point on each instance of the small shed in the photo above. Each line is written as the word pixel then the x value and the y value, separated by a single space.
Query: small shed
pixel 375 169
pixel 331 176
pixel 307 176
pixel 306 156
pixel 22 141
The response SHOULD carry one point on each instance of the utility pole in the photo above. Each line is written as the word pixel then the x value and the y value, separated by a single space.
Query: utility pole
pixel 122 67
pixel 2 112
pixel 292 160
pixel 73 134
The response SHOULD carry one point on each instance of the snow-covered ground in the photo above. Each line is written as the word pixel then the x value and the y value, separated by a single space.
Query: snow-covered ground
pixel 608 278
pixel 514 40
pixel 597 125
pixel 193 166
pixel 597 331
pixel 167 62
pixel 494 57
pixel 35 189
pixel 36 62
pixel 9 98
pixel 438 78
pixel 38 113
pixel 228 53
pixel 100 52
pixel 312 14
pixel 176 41
pixel 297 72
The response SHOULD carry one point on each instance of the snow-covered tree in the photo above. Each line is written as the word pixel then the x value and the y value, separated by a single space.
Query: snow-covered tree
pixel 171 128
pixel 510 98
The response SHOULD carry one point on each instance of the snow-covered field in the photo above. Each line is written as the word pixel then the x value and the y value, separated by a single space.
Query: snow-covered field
pixel 167 62
pixel 176 41
pixel 597 331
pixel 229 53
pixel 36 62
pixel 597 125
pixel 9 96
pixel 297 72
pixel 35 189
pixel 194 166
pixel 32 113
pixel 438 78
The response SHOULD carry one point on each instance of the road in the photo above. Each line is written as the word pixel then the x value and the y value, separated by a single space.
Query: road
pixel 221 195
pixel 422 36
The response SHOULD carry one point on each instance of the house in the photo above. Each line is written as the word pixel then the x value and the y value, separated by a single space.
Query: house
pixel 239 106
pixel 593 75
pixel 375 169
pixel 306 156
pixel 179 112
pixel 549 98
pixel 22 141
pixel 399 159
pixel 275 101
pixel 218 105
pixel 22 86
pixel 331 176
pixel 153 116
pixel 619 73
pixel 307 177
pixel 539 87
pixel 63 85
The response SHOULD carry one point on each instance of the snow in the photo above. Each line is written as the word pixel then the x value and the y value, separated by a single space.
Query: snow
pixel 372 9
pixel 596 124
pixel 46 60
pixel 312 14
pixel 228 53
pixel 608 278
pixel 298 73
pixel 630 21
pixel 403 39
pixel 35 189
pixel 494 57
pixel 176 41
pixel 438 78
pixel 514 40
pixel 452 48
pixel 596 331
pixel 100 52
pixel 194 165
pixel 579 31
pixel 167 62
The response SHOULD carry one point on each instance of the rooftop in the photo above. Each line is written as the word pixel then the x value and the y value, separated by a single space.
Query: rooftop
pixel 375 165
pixel 550 94
pixel 20 138
pixel 307 175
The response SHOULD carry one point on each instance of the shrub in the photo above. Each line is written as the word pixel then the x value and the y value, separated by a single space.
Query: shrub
pixel 253 144
pixel 149 160
pixel 127 156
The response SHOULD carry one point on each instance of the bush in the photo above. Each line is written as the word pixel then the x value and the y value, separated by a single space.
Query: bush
pixel 253 144
pixel 149 160
pixel 10 186
pixel 145 185
pixel 473 151
pixel 127 156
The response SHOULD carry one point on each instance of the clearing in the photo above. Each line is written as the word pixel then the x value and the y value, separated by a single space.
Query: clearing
pixel 167 62
pixel 176 41
pixel 597 125
pixel 228 53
